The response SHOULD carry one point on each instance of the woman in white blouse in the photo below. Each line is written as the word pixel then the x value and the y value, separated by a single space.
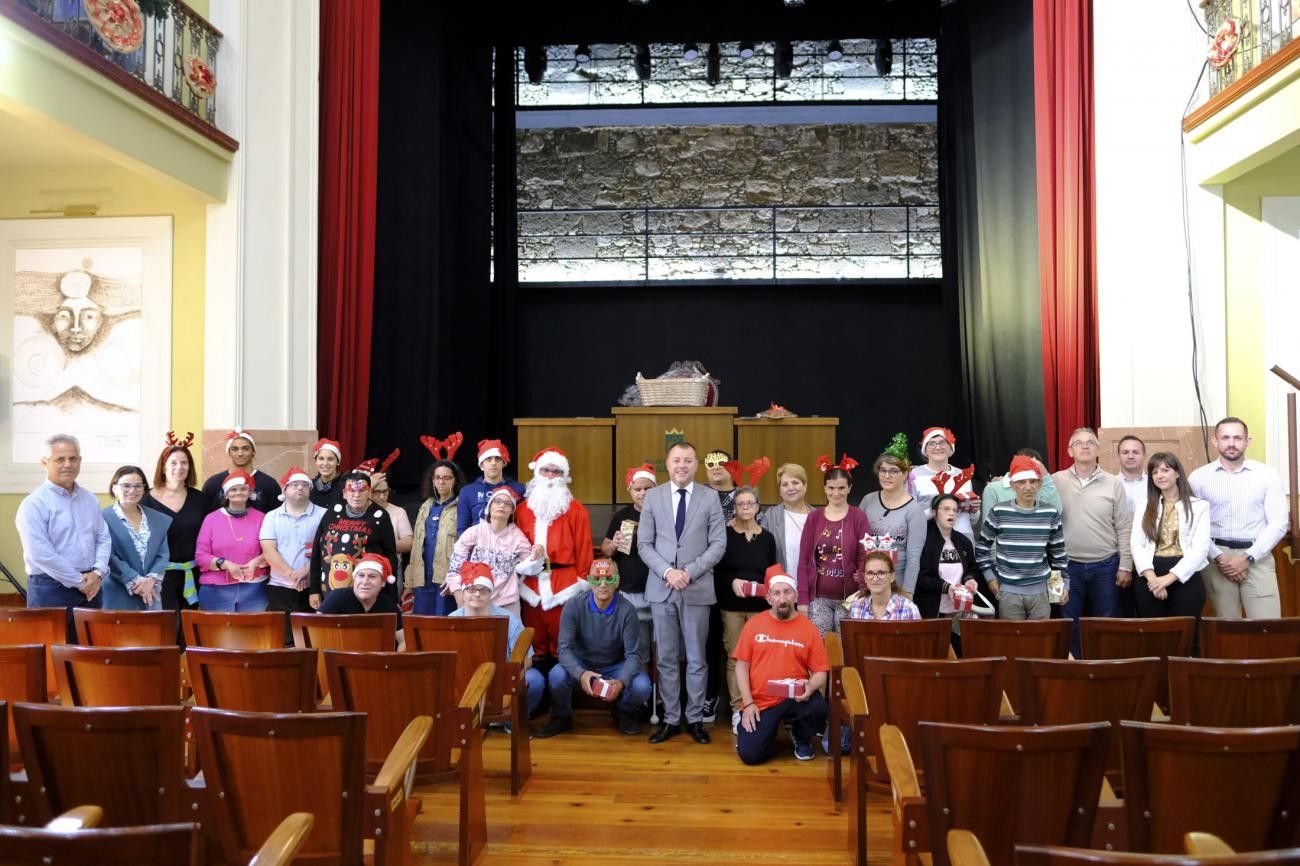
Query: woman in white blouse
pixel 785 521
pixel 1171 543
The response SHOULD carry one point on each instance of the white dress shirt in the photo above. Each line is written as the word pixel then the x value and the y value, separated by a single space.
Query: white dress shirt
pixel 677 497
pixel 1246 505
pixel 1136 491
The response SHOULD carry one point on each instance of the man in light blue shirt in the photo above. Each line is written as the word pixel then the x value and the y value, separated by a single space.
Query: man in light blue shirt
pixel 65 540
pixel 477 587
pixel 287 535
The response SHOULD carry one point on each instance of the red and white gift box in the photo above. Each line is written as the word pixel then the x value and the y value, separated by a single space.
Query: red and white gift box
pixel 603 689
pixel 751 589
pixel 790 687
pixel 962 599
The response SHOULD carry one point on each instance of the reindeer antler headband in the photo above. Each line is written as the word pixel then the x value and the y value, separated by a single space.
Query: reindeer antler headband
pixel 443 449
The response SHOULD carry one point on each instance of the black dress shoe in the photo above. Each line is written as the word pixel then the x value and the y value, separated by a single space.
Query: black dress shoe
pixel 699 733
pixel 665 732
pixel 557 725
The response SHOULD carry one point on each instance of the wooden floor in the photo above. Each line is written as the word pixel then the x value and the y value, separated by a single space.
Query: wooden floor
pixel 596 796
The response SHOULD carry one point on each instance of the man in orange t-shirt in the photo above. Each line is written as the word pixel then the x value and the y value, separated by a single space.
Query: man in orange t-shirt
pixel 773 654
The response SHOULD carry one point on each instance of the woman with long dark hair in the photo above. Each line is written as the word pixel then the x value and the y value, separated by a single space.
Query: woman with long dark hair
pixel 435 536
pixel 1171 543
pixel 830 551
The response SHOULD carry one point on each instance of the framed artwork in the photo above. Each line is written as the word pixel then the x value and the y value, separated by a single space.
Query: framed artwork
pixel 87 345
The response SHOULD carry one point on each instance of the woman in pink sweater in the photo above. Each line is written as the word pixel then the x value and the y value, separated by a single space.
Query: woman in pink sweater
pixel 502 546
pixel 233 572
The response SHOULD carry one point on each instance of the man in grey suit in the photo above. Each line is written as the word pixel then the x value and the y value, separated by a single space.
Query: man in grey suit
pixel 681 537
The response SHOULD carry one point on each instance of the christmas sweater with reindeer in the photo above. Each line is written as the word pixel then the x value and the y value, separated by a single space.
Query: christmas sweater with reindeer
pixel 342 539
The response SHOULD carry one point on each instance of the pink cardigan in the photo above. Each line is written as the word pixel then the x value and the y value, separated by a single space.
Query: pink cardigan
pixel 217 540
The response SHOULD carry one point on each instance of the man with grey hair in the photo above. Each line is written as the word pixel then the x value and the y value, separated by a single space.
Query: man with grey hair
pixel 65 540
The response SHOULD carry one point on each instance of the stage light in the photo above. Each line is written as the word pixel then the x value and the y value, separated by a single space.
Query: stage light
pixel 642 62
pixel 789 3
pixel 713 72
pixel 690 51
pixel 884 56
pixel 784 53
pixel 835 51
pixel 583 53
pixel 746 50
pixel 535 63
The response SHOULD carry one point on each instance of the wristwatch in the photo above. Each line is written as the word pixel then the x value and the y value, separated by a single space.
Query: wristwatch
pixel 219 562
pixel 1250 559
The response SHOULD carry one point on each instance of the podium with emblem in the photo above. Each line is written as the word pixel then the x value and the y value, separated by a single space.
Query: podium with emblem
pixel 643 434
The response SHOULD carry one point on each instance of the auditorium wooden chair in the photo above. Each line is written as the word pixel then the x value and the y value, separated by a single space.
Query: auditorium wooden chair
pixel 1242 785
pixel 862 639
pixel 247 631
pixel 965 849
pixel 1234 693
pixel 253 681
pixel 855 700
pixel 1250 638
pixel 392 688
pixel 125 628
pixel 260 766
pixel 476 640
pixel 376 632
pixel 22 678
pixel 1015 639
pixel 42 625
pixel 126 760
pixel 1055 692
pixel 118 676
pixel 1116 638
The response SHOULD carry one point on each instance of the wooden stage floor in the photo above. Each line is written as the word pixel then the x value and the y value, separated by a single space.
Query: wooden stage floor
pixel 596 796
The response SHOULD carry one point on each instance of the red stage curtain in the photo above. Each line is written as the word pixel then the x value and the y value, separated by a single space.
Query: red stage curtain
pixel 349 143
pixel 1067 222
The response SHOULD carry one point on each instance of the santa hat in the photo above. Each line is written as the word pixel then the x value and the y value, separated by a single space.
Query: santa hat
pixel 239 434
pixel 503 491
pixel 294 474
pixel 776 574
pixel 375 562
pixel 327 445
pixel 492 448
pixel 234 479
pixel 645 470
pixel 1023 469
pixel 476 574
pixel 550 456
pixel 602 568
pixel 938 432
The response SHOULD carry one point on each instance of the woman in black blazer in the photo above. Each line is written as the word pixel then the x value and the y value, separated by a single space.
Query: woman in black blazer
pixel 944 547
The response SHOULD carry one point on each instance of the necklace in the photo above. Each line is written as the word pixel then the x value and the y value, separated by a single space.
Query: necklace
pixel 231 524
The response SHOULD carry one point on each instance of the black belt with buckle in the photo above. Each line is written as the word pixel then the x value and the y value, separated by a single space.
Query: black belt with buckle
pixel 1233 545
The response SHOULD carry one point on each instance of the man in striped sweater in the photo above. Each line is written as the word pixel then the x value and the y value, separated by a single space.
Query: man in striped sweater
pixel 1019 543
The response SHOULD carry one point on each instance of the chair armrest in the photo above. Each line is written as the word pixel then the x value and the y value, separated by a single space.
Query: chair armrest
pixel 80 818
pixel 898 759
pixel 964 849
pixel 402 756
pixel 854 695
pixel 477 688
pixel 1205 845
pixel 834 649
pixel 519 653
pixel 284 841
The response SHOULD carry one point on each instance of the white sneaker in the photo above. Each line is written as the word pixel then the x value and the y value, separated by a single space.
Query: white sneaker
pixel 735 722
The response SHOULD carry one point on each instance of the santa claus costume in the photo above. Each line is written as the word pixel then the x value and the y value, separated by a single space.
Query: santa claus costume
pixel 551 517
pixel 925 483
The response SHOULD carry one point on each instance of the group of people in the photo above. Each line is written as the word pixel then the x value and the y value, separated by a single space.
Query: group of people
pixel 698 577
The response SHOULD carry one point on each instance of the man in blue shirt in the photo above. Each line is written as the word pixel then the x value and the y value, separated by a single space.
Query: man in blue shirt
pixel 287 534
pixel 492 459
pixel 65 540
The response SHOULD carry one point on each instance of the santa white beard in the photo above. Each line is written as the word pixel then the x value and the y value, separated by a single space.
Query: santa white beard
pixel 548 498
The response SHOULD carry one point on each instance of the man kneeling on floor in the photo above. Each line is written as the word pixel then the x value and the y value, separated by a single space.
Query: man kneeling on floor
pixel 600 650
pixel 476 582
pixel 781 667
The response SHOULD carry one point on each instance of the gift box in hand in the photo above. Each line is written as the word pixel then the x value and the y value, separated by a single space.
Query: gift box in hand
pixel 603 689
pixel 962 599
pixel 790 687
pixel 751 589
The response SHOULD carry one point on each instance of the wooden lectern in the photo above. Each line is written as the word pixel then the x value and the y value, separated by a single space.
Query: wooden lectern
pixel 787 440
pixel 643 434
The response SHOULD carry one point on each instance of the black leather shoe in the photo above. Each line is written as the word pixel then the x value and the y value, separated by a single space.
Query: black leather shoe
pixel 557 725
pixel 665 732
pixel 699 733
pixel 627 724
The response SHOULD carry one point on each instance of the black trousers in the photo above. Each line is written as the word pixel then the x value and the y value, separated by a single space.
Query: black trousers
pixel 1183 599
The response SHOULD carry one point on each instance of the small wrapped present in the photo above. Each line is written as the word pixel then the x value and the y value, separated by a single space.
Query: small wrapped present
pixel 790 687
pixel 628 529
pixel 1055 588
pixel 603 689
pixel 751 589
pixel 962 599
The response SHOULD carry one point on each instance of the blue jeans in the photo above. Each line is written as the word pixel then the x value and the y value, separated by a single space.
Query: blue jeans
pixel 535 683
pixel 429 601
pixel 632 699
pixel 807 718
pixel 1092 593
pixel 45 591
pixel 233 597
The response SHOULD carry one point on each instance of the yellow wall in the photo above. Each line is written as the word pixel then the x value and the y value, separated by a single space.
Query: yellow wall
pixel 1243 253
pixel 121 193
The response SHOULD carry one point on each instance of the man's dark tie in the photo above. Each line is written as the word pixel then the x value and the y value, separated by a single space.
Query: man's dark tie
pixel 680 523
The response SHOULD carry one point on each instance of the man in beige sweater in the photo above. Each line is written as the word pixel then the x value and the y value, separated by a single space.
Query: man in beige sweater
pixel 1097 519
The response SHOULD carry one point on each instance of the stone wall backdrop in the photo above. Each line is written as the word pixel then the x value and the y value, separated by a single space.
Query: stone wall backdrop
pixel 724 202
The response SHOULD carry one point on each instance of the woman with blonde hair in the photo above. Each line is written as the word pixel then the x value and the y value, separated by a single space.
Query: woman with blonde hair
pixel 786 520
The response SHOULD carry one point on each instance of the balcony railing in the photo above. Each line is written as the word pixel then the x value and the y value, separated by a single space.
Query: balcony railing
pixel 1248 41
pixel 170 62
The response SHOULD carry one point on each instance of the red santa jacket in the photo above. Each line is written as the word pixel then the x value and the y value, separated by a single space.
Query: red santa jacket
pixel 568 556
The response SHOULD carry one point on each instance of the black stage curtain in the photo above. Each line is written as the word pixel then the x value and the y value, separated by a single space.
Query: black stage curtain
pixel 438 335
pixel 989 223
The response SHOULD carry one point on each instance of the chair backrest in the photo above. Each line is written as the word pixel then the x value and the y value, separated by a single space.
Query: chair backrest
pixel 118 676
pixel 1234 693
pixel 1250 638
pixel 121 628
pixel 1116 638
pixel 1012 784
pixel 259 767
pixel 393 688
pixel 179 844
pixel 234 630
pixel 127 760
pixel 376 632
pixel 1052 856
pixel 22 678
pixel 1242 785
pixel 253 681
pixel 895 639
pixel 474 639
pixel 43 625
pixel 1055 692
pixel 905 692
pixel 1015 639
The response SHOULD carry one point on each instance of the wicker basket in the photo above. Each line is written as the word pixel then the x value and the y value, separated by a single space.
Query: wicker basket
pixel 673 392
